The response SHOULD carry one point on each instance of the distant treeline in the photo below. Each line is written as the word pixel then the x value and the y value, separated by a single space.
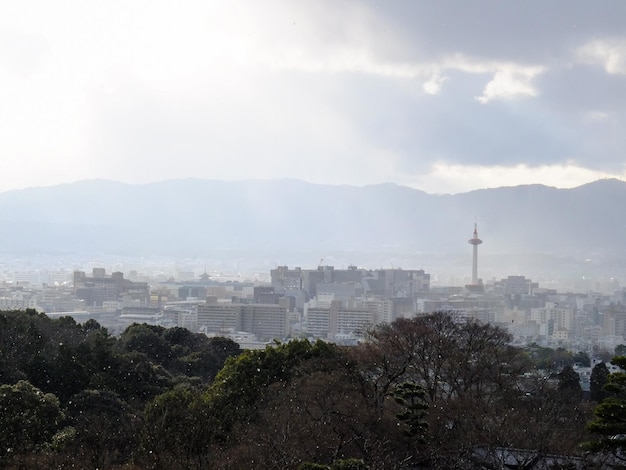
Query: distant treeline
pixel 426 392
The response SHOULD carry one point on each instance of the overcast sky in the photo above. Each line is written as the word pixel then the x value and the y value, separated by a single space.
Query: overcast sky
pixel 443 96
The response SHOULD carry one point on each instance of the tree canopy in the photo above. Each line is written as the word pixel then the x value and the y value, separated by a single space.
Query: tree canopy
pixel 424 391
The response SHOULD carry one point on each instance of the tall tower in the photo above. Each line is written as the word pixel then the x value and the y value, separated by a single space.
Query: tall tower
pixel 475 241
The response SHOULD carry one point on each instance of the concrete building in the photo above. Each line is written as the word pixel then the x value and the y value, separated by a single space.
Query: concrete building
pixel 214 317
pixel 515 286
pixel 265 295
pixel 337 321
pixel 351 282
pixel 18 303
pixel 100 287
pixel 192 292
pixel 285 279
pixel 266 321
pixel 553 320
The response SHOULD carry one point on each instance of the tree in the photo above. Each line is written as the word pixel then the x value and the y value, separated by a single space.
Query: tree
pixel 206 359
pixel 411 397
pixel 147 339
pixel 131 376
pixel 63 375
pixel 609 423
pixel 326 402
pixel 474 383
pixel 29 418
pixel 569 384
pixel 544 417
pixel 244 379
pixel 548 359
pixel 178 430
pixel 599 378
pixel 349 464
pixel 105 429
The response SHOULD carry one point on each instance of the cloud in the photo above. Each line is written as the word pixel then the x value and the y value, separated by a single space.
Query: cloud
pixel 510 82
pixel 354 91
pixel 433 86
pixel 609 53
pixel 461 178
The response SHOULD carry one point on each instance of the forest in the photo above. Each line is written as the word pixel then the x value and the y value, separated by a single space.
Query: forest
pixel 424 392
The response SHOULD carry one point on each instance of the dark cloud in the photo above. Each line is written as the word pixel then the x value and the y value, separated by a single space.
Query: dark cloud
pixel 582 88
pixel 526 31
pixel 575 116
pixel 454 127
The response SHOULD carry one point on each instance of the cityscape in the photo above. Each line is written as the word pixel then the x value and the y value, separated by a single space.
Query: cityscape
pixel 313 235
pixel 323 302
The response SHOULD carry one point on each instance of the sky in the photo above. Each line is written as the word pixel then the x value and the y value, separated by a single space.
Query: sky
pixel 446 96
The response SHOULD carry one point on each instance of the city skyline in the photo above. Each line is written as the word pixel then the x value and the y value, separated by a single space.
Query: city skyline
pixel 443 97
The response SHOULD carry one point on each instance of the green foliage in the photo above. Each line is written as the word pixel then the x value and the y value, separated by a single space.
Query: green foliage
pixel 411 397
pixel 177 429
pixel 104 429
pixel 168 398
pixel 312 466
pixel 133 377
pixel 549 359
pixel 102 382
pixel 29 418
pixel 64 375
pixel 205 359
pixel 179 350
pixel 620 350
pixel 599 378
pixel 349 464
pixel 23 335
pixel 57 356
pixel 569 384
pixel 342 464
pixel 619 361
pixel 243 380
pixel 147 339
pixel 610 415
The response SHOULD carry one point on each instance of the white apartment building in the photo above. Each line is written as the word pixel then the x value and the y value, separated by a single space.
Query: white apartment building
pixel 337 321
pixel 553 319
pixel 266 321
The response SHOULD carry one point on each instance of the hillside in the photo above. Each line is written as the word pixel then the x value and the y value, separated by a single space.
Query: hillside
pixel 194 217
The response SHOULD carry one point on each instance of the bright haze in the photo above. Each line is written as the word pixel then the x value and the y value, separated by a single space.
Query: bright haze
pixel 444 96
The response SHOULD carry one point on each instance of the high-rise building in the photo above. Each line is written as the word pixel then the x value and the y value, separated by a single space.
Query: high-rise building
pixel 100 287
pixel 337 321
pixel 383 283
pixel 266 321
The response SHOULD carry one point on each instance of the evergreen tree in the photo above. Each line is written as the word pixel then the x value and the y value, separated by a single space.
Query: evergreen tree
pixel 411 397
pixel 620 350
pixel 610 415
pixel 569 388
pixel 599 378
pixel 29 419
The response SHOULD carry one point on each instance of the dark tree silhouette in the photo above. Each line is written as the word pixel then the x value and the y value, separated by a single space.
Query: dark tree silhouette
pixel 599 378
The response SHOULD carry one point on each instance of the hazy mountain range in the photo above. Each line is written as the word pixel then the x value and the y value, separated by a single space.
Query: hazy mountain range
pixel 197 217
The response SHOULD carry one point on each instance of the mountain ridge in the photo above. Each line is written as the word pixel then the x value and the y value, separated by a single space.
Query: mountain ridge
pixel 196 215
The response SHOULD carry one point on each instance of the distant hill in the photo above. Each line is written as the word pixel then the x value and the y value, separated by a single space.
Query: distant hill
pixel 195 217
